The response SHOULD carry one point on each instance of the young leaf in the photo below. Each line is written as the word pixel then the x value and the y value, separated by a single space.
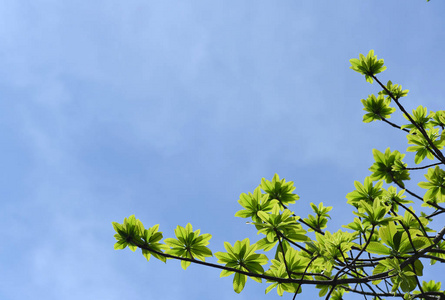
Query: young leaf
pixel 374 214
pixel 383 168
pixel 189 244
pixel 377 108
pixel 151 238
pixel 294 263
pixel 395 90
pixel 435 185
pixel 378 248
pixel 284 223
pixel 127 233
pixel 420 116
pixel 437 118
pixel 255 203
pixel 422 146
pixel 368 66
pixel 241 256
pixel 365 192
pixel 279 190
pixel 393 198
pixel 320 220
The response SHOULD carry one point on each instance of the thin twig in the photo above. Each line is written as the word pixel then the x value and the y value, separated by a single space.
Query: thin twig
pixel 425 167
pixel 392 124
pixel 284 254
pixel 435 151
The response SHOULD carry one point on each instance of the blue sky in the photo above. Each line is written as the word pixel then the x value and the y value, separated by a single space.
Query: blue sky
pixel 169 110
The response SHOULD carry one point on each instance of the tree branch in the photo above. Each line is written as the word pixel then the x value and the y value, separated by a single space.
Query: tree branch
pixel 392 124
pixel 435 151
pixel 425 167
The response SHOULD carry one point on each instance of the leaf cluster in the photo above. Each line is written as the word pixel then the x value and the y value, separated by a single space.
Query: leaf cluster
pixel 385 247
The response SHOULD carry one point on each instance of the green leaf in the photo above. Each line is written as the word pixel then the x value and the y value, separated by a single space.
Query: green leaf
pixel 127 233
pixel 151 238
pixel 384 166
pixel 271 287
pixel 435 185
pixel 418 268
pixel 120 245
pixel 393 198
pixel 422 146
pixel 293 261
pixel 239 281
pixel 390 236
pixel 225 273
pixel 279 190
pixel 420 116
pixel 185 264
pixel 283 222
pixel 255 203
pixel 266 245
pixel 189 244
pixel 380 268
pixel 431 286
pixel 320 220
pixel 357 225
pixel 330 247
pixel 365 192
pixel 337 294
pixel 407 245
pixel 395 90
pixel 374 214
pixel 377 107
pixel 439 246
pixel 437 118
pixel 377 248
pixel 241 256
pixel 368 66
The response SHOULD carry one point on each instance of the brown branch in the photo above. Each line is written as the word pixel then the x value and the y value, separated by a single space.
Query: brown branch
pixel 436 206
pixel 437 212
pixel 358 255
pixel 379 276
pixel 414 215
pixel 284 254
pixel 304 274
pixel 425 167
pixel 427 295
pixel 392 124
pixel 435 151
pixel 442 260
